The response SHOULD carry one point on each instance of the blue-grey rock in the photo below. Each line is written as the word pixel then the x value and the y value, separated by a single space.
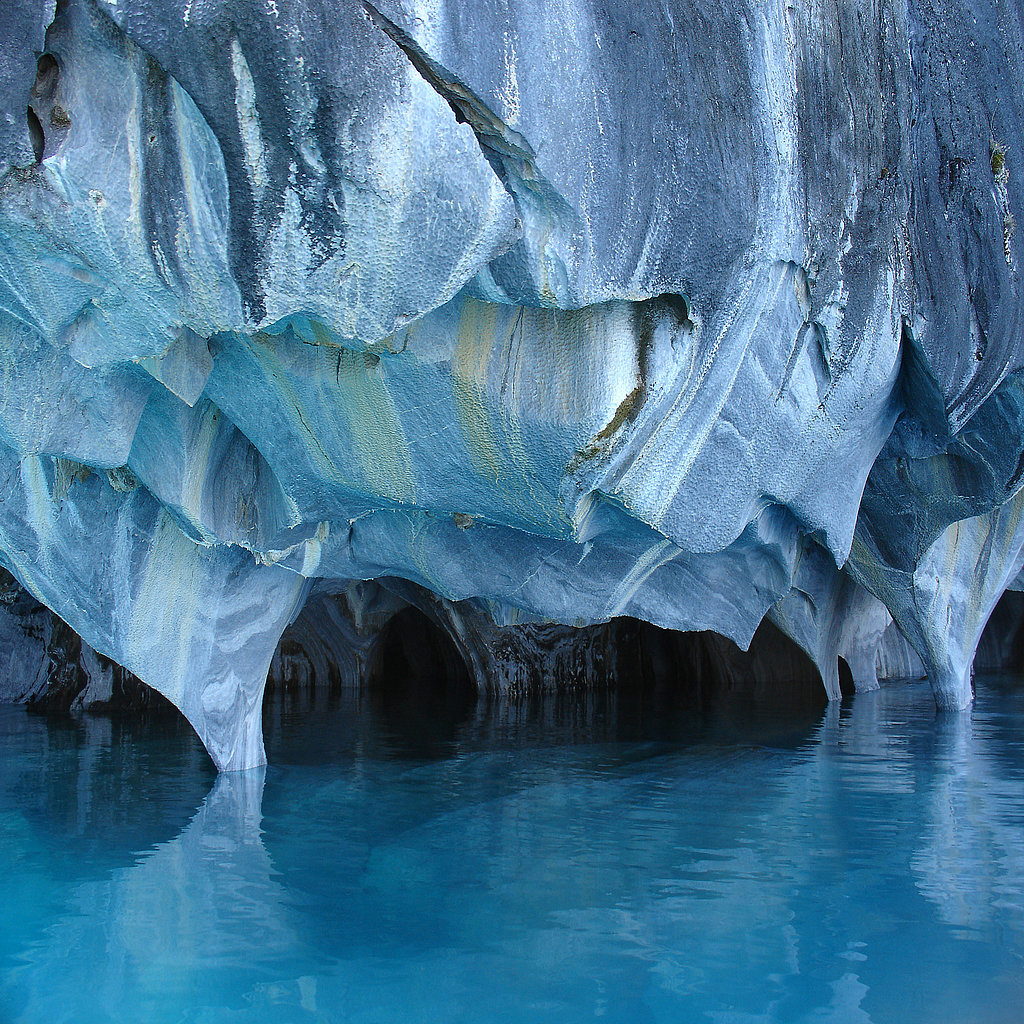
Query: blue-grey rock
pixel 704 314
pixel 22 41
pixel 25 628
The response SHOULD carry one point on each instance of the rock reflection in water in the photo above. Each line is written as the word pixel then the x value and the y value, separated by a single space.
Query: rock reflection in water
pixel 545 861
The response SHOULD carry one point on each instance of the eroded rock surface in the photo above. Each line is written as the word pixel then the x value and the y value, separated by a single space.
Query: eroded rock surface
pixel 706 315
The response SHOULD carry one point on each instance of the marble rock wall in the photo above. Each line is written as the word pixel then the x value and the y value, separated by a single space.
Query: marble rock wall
pixel 702 314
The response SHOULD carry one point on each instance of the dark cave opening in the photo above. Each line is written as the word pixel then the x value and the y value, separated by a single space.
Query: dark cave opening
pixel 434 652
pixel 1001 648
pixel 47 73
pixel 429 682
pixel 422 655
pixel 36 135
pixel 417 666
pixel 332 685
pixel 709 667
pixel 43 90
pixel 846 686
pixel 422 675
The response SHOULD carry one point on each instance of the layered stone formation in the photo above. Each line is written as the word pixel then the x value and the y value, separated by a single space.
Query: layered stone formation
pixel 703 314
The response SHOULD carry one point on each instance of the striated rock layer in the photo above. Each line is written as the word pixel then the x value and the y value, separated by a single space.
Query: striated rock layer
pixel 704 315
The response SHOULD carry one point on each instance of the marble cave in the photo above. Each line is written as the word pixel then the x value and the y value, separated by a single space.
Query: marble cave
pixel 564 330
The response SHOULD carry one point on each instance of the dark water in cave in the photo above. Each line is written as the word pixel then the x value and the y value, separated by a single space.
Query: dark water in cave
pixel 561 860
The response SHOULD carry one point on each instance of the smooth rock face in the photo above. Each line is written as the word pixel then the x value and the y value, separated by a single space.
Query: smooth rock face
pixel 697 313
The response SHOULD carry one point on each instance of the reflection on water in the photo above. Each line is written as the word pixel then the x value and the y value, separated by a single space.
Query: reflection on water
pixel 556 860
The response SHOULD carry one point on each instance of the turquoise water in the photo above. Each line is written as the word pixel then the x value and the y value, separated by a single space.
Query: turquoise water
pixel 560 861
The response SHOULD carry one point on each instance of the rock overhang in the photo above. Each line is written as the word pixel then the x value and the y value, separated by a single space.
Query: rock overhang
pixel 699 320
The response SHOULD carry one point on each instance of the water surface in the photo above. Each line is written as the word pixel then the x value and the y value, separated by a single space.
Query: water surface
pixel 564 860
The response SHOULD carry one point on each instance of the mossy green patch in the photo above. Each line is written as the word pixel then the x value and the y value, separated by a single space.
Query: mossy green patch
pixel 997 151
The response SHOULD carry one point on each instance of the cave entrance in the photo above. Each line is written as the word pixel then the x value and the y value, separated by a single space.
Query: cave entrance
pixel 417 666
pixel 1001 648
pixel 693 685
pixel 846 686
pixel 705 666
pixel 400 688
pixel 430 676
